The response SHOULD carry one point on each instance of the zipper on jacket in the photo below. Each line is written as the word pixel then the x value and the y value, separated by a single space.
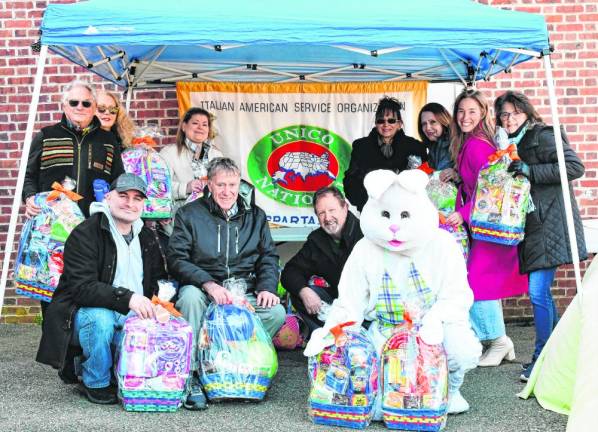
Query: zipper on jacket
pixel 227 248
pixel 79 144
pixel 237 240
pixel 218 239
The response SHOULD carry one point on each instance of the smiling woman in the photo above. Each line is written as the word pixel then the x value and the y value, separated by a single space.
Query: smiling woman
pixel 492 269
pixel 114 118
pixel 386 147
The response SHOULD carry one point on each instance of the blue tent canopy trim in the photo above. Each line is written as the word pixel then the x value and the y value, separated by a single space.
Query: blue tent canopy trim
pixel 155 44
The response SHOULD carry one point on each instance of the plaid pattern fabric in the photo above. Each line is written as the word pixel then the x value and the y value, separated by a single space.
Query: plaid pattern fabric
pixel 417 298
pixel 390 305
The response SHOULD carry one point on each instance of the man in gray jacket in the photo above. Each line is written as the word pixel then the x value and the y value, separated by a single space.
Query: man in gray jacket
pixel 219 238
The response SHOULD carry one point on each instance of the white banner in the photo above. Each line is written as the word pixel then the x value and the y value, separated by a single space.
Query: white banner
pixel 292 139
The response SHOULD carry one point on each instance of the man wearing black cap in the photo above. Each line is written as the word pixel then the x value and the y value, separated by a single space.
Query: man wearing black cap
pixel 111 267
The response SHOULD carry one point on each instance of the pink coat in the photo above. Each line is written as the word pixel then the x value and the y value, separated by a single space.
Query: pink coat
pixel 492 269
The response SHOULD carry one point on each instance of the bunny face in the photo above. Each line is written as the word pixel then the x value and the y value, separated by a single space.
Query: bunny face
pixel 398 215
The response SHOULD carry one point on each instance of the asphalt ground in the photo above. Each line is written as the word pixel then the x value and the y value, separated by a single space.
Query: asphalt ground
pixel 32 398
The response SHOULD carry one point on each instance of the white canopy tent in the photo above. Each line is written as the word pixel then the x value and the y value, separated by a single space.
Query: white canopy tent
pixel 144 44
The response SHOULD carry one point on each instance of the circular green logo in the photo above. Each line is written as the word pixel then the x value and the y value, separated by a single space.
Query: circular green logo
pixel 289 164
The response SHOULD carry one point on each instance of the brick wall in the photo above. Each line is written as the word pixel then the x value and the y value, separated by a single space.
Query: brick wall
pixel 573 31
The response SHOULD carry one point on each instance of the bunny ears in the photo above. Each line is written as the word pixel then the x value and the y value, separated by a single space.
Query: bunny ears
pixel 378 181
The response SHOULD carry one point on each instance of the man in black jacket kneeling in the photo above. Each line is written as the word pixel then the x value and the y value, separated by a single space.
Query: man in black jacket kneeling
pixel 312 276
pixel 112 266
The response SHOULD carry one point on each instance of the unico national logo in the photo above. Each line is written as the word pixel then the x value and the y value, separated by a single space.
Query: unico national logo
pixel 291 163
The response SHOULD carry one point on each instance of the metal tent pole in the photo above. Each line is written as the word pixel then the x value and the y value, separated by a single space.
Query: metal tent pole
pixel 16 203
pixel 563 172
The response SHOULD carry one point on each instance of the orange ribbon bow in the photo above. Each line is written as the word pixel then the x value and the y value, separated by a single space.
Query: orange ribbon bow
pixel 58 189
pixel 166 305
pixel 511 151
pixel 147 140
pixel 340 338
pixel 425 167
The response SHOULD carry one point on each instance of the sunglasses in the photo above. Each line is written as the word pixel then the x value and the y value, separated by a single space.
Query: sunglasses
pixel 74 103
pixel 389 121
pixel 112 110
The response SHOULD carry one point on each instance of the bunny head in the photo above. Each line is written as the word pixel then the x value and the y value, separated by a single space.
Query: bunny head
pixel 398 214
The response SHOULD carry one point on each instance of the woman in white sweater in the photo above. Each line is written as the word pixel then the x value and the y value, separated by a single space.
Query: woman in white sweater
pixel 189 156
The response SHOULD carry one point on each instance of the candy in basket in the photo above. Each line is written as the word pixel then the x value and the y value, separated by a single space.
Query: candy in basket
pixel 501 202
pixel 414 382
pixel 237 358
pixel 344 380
pixel 39 261
pixel 146 163
pixel 155 360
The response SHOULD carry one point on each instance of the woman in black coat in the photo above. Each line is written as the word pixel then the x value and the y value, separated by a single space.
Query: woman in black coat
pixel 546 242
pixel 386 147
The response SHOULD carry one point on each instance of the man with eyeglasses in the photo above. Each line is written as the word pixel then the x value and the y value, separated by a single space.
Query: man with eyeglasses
pixel 386 147
pixel 76 147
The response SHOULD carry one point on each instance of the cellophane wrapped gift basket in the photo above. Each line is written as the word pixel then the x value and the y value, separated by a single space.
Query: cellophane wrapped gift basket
pixel 344 380
pixel 39 261
pixel 502 200
pixel 146 163
pixel 237 358
pixel 414 382
pixel 154 360
pixel 444 196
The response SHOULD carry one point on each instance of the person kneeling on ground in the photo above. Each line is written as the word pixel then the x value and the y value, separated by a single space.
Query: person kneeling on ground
pixel 323 254
pixel 111 266
pixel 216 238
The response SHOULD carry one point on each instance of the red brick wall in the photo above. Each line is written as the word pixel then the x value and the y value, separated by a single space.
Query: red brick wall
pixel 573 31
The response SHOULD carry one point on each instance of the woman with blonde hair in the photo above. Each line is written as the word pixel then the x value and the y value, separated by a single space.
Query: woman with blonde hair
pixel 189 156
pixel 492 269
pixel 114 118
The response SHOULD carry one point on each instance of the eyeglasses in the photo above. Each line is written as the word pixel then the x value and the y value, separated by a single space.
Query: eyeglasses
pixel 505 115
pixel 74 103
pixel 112 110
pixel 389 121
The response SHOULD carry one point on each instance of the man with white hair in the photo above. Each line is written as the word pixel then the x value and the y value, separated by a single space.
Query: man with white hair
pixel 76 148
pixel 220 238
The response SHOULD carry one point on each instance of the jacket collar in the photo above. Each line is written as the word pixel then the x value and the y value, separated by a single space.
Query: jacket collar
pixel 245 200
pixel 95 124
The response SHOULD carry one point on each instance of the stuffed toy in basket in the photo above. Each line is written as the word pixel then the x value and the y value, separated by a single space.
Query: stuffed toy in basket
pixel 237 358
pixel 155 359
pixel 414 382
pixel 39 262
pixel 344 380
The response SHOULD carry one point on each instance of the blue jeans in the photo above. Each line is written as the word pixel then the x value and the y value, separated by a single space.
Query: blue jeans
pixel 487 319
pixel 545 312
pixel 97 330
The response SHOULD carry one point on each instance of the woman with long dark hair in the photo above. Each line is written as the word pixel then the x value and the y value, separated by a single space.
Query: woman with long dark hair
pixel 545 245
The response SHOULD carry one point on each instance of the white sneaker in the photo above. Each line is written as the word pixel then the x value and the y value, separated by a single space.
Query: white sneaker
pixel 457 403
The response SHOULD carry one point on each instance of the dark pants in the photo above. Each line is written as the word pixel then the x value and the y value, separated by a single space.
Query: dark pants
pixel 311 321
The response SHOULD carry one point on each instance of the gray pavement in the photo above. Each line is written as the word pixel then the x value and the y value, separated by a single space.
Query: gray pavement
pixel 32 398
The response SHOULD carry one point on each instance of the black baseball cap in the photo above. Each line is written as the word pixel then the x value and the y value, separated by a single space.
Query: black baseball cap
pixel 128 181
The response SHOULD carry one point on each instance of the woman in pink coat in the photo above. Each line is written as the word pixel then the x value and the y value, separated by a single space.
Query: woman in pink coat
pixel 493 269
